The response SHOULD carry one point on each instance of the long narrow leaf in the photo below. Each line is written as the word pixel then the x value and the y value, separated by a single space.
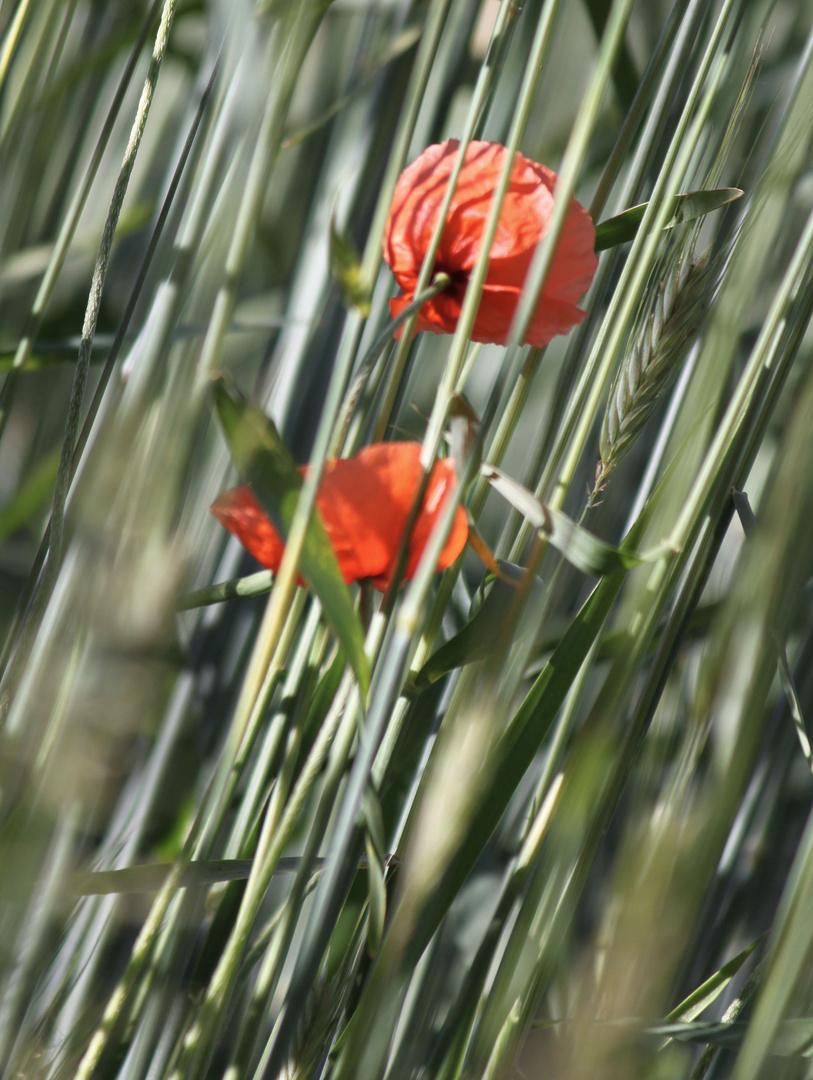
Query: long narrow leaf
pixel 263 461
pixel 694 204
pixel 583 550
pixel 476 640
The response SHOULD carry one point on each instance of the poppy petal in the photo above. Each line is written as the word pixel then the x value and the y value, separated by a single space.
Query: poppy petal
pixel 551 317
pixel 524 220
pixel 438 316
pixel 364 503
pixel 363 518
pixel 238 511
pixel 443 481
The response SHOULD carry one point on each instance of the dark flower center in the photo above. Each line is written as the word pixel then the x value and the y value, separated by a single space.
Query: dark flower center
pixel 459 280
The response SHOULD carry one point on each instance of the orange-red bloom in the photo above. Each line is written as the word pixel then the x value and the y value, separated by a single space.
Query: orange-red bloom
pixel 364 503
pixel 525 215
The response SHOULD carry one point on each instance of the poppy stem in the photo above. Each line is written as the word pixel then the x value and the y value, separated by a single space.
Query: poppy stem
pixel 351 398
pixel 252 585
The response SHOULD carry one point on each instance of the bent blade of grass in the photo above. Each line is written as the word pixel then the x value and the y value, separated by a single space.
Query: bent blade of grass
pixel 695 204
pixel 581 549
pixel 263 461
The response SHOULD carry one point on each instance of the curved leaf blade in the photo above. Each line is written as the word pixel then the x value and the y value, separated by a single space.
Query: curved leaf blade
pixel 700 999
pixel 263 461
pixel 345 269
pixel 581 549
pixel 694 204
pixel 476 640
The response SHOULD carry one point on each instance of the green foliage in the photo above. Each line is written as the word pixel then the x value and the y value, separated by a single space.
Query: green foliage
pixel 476 640
pixel 32 496
pixel 345 266
pixel 550 817
pixel 696 204
pixel 264 462
pixel 582 550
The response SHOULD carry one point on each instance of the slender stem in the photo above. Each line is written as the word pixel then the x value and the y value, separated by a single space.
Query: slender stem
pixel 252 585
pixel 437 285
pixel 501 34
pixel 68 228
pixel 97 286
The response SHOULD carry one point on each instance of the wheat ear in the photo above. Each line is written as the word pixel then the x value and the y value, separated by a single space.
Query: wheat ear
pixel 652 363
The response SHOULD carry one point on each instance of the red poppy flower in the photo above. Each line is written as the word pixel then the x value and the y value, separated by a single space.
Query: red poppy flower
pixel 364 502
pixel 525 215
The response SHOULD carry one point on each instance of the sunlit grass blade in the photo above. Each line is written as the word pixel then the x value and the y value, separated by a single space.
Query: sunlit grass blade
pixel 583 550
pixel 695 204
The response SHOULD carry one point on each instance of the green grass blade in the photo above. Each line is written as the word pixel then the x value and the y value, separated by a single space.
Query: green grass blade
pixel 695 204
pixel 583 550
pixel 263 462
pixel 476 640
pixel 710 990
pixel 625 75
pixel 33 495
